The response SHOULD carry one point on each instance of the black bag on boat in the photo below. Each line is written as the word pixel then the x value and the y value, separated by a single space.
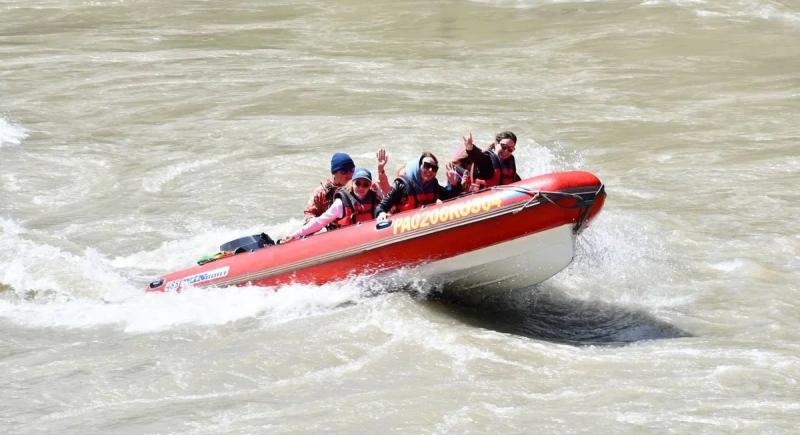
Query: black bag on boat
pixel 249 243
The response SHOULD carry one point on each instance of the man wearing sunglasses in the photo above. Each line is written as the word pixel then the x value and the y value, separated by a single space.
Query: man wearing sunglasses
pixel 342 167
pixel 493 167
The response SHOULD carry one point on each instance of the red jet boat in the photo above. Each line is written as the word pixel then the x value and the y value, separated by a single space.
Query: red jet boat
pixel 505 237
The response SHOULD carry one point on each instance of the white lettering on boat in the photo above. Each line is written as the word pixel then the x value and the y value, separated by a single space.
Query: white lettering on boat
pixel 429 218
pixel 197 278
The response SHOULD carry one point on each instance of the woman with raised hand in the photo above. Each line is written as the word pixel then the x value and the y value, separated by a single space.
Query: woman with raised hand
pixel 418 186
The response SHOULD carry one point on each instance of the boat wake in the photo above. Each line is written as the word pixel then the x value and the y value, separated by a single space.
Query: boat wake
pixel 549 314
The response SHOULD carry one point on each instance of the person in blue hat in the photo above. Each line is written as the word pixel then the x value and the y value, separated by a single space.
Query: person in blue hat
pixel 342 167
pixel 353 203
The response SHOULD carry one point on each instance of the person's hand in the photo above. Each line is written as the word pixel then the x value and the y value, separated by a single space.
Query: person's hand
pixel 477 185
pixel 286 239
pixel 382 217
pixel 466 180
pixel 468 145
pixel 383 159
pixel 319 198
pixel 452 175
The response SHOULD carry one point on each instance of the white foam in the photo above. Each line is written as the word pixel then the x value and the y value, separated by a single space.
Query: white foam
pixel 182 253
pixel 635 193
pixel 729 266
pixel 41 270
pixel 526 4
pixel 10 183
pixel 623 259
pixel 150 312
pixel 770 12
pixel 154 183
pixel 10 227
pixel 737 10
pixel 533 159
pixel 50 287
pixel 11 134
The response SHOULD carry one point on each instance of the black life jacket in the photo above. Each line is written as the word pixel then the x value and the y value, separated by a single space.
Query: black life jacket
pixel 505 172
pixel 417 195
pixel 355 209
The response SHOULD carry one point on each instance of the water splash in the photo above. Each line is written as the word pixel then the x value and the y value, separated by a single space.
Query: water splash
pixel 154 312
pixel 11 134
pixel 43 285
pixel 534 159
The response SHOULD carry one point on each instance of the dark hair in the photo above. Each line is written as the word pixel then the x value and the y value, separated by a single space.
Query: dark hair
pixel 427 154
pixel 505 135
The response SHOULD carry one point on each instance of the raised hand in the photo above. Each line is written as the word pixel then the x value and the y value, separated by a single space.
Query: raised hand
pixel 319 198
pixel 452 175
pixel 468 144
pixel 383 159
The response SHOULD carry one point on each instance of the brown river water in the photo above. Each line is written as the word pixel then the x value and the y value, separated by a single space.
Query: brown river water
pixel 136 136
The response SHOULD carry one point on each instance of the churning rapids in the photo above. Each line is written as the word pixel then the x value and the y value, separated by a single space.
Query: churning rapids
pixel 137 136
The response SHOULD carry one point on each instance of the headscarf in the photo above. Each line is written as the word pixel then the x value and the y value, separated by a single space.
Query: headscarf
pixel 414 178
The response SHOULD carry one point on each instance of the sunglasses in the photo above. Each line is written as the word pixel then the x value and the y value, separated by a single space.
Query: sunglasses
pixel 509 148
pixel 364 183
pixel 347 171
pixel 430 166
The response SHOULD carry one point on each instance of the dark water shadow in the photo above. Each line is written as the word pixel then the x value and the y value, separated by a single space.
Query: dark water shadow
pixel 549 314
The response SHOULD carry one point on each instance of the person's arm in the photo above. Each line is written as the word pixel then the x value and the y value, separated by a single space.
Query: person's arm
pixel 315 205
pixel 393 198
pixel 483 162
pixel 334 212
pixel 451 191
pixel 383 180
pixel 383 183
pixel 378 192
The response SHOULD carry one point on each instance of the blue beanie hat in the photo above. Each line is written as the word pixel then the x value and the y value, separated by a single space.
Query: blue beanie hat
pixel 341 162
pixel 362 173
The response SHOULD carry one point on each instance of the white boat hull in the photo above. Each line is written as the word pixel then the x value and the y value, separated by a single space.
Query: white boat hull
pixel 511 265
